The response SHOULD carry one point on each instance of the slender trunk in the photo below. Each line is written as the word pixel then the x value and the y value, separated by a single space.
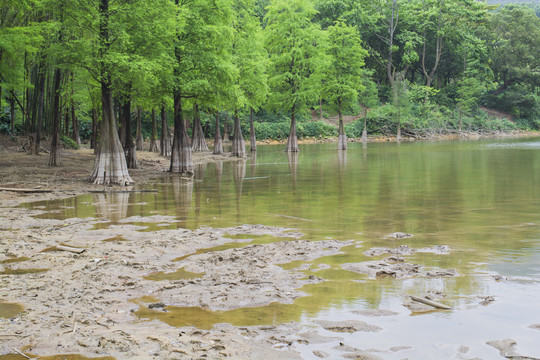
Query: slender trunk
pixel 129 147
pixel 364 133
pixel 93 137
pixel 122 133
pixel 154 147
pixel 139 130
pixel 66 118
pixel 226 127
pixel 54 156
pixel 12 113
pixel 460 117
pixel 40 114
pixel 198 142
pixel 218 144
pixel 238 144
pixel 74 123
pixel 252 139
pixel 342 140
pixel 292 140
pixel 110 164
pixel 181 150
pixel 165 135
pixel 320 109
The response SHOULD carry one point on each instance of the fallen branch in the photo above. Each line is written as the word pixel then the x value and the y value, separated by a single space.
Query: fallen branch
pixel 26 190
pixel 20 353
pixel 430 302
pixel 69 248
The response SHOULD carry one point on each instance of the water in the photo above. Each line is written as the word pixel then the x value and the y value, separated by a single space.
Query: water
pixel 481 198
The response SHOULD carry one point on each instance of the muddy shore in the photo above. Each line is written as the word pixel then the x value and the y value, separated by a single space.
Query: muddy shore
pixel 100 302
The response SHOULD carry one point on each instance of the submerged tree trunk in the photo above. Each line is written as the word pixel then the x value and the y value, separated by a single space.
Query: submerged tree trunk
pixel 292 140
pixel 54 155
pixel 238 144
pixel 181 150
pixel 129 145
pixel 165 141
pixel 342 140
pixel 198 142
pixel 252 139
pixel 218 144
pixel 154 147
pixel 139 130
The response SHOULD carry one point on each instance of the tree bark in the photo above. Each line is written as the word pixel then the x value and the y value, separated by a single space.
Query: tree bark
pixel 292 140
pixel 40 113
pixel 226 127
pixel 110 165
pixel 218 144
pixel 181 150
pixel 166 143
pixel 198 142
pixel 54 155
pixel 129 146
pixel 252 139
pixel 238 144
pixel 12 113
pixel 93 137
pixel 74 123
pixel 364 133
pixel 139 130
pixel 154 147
pixel 342 140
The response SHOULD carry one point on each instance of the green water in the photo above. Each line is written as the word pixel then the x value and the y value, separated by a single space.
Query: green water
pixel 481 198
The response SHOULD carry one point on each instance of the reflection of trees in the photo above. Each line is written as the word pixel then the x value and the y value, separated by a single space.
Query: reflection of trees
pixel 239 173
pixel 112 206
pixel 292 158
pixel 182 190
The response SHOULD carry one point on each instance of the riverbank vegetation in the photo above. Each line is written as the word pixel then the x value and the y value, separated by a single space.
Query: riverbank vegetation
pixel 114 72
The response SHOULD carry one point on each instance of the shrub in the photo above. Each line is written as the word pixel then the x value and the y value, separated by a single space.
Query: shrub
pixel 316 129
pixel 68 143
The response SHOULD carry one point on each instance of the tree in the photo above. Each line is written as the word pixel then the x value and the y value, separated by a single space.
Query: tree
pixel 250 58
pixel 344 72
pixel 515 48
pixel 293 43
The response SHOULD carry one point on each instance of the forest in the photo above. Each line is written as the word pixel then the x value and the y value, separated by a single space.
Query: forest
pixel 114 73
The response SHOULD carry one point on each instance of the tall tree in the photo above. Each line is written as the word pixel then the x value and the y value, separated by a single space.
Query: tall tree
pixel 344 72
pixel 293 43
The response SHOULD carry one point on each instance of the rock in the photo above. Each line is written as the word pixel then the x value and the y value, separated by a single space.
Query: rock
pixel 535 326
pixel 399 235
pixel 320 354
pixel 349 326
pixel 486 300
pixel 375 313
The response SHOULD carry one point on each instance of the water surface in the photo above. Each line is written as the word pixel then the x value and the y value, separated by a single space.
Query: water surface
pixel 481 198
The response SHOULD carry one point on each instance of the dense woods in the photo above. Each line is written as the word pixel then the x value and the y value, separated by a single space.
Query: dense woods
pixel 112 72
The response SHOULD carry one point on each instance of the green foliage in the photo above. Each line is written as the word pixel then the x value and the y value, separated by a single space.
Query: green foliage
pixel 317 129
pixel 68 143
pixel 517 102
pixel 276 131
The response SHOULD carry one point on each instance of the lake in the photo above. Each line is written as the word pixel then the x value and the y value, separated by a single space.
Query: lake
pixel 479 198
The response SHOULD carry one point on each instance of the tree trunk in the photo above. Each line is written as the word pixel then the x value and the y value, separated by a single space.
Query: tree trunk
pixel 226 128
pixel 218 144
pixel 198 142
pixel 292 140
pixel 110 165
pixel 154 147
pixel 238 144
pixel 54 155
pixel 139 130
pixel 74 123
pixel 252 139
pixel 93 137
pixel 460 116
pixel 320 109
pixel 12 113
pixel 342 140
pixel 39 123
pixel 165 135
pixel 181 150
pixel 364 133
pixel 129 146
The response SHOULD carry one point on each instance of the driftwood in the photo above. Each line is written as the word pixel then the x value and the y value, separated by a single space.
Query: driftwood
pixel 430 302
pixel 26 190
pixel 69 248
